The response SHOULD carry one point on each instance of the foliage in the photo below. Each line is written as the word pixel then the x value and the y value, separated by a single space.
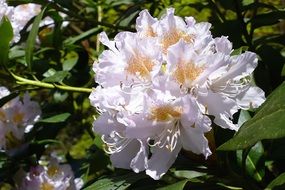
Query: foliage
pixel 55 65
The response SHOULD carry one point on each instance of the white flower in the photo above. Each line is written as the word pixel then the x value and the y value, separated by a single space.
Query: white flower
pixel 130 61
pixel 129 153
pixel 157 88
pixel 53 176
pixel 15 117
pixel 215 79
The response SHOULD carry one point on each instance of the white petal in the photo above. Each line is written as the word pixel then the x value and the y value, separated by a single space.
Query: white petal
pixel 105 124
pixel 221 107
pixel 161 160
pixel 194 140
pixel 223 45
pixel 251 98
pixel 124 158
pixel 139 162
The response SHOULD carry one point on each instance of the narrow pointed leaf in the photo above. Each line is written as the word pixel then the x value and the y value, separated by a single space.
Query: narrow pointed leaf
pixel 32 39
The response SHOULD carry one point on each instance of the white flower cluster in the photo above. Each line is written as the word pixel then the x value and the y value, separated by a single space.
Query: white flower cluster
pixel 158 86
pixel 16 117
pixel 19 15
pixel 54 176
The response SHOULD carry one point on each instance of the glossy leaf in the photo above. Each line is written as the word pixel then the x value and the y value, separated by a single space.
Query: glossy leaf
pixel 280 180
pixel 58 76
pixel 117 182
pixel 56 119
pixel 268 123
pixel 176 186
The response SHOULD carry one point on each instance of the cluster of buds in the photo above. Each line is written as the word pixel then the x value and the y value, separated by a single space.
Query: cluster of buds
pixel 158 86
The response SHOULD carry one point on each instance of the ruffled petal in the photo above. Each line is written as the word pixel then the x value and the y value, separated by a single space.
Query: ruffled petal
pixel 251 98
pixel 161 160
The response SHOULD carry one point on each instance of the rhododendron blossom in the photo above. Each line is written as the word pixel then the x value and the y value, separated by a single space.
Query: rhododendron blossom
pixel 158 86
pixel 16 117
pixel 53 176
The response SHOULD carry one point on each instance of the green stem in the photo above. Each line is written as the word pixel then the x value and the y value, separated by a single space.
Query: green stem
pixel 24 81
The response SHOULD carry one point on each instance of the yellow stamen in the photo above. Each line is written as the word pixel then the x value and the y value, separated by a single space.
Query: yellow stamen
pixel 52 171
pixel 140 65
pixel 46 186
pixel 165 113
pixel 173 37
pixel 2 116
pixel 186 72
pixel 18 117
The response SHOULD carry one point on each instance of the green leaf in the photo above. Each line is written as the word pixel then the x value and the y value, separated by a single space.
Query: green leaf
pixel 239 50
pixel 84 35
pixel 189 174
pixel 268 123
pixel 57 77
pixel 70 61
pixel 280 180
pixel 56 119
pixel 267 19
pixel 117 182
pixel 32 39
pixel 6 33
pixel 176 186
pixel 253 165
pixel 283 71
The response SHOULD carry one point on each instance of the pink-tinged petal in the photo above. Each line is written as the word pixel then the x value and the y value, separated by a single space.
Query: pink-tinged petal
pixel 221 107
pixel 251 98
pixel 161 160
pixel 124 158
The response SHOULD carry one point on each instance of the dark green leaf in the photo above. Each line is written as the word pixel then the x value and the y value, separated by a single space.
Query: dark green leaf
pixel 32 39
pixel 267 19
pixel 57 77
pixel 268 123
pixel 117 182
pixel 254 164
pixel 56 119
pixel 280 180
pixel 176 186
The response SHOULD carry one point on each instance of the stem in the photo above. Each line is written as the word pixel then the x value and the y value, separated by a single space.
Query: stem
pixel 24 81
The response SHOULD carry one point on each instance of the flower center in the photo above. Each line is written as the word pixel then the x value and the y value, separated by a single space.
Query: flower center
pixel 186 72
pixel 52 171
pixel 2 115
pixel 165 113
pixel 173 37
pixel 18 117
pixel 140 65
pixel 46 186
